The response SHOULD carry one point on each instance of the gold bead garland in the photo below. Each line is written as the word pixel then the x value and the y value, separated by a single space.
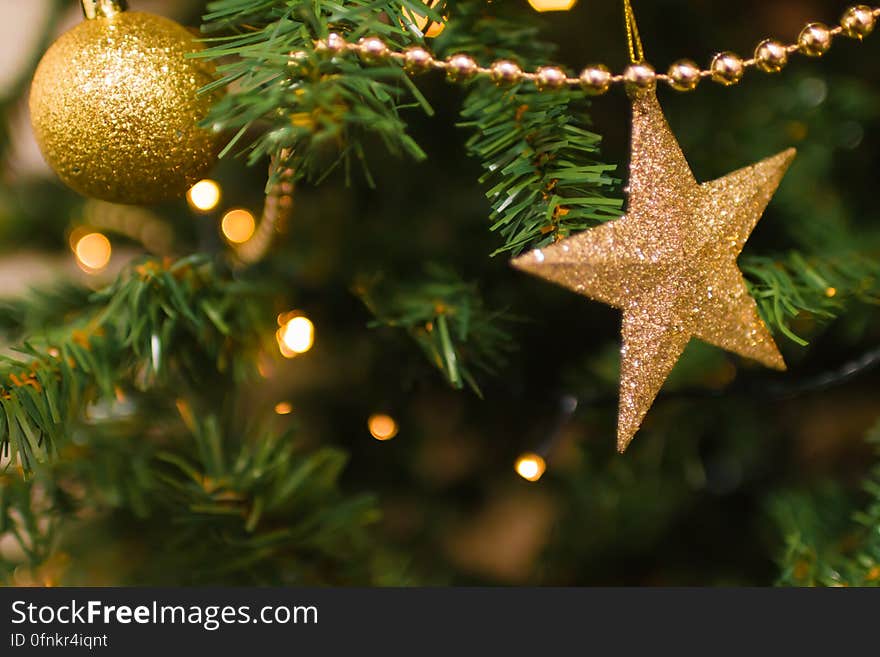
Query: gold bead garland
pixel 726 68
pixel 596 80
pixel 460 68
pixel 771 56
pixel 550 77
pixel 684 75
pixel 506 72
pixel 858 22
pixel 416 60
pixel 638 77
pixel 815 39
pixel 373 49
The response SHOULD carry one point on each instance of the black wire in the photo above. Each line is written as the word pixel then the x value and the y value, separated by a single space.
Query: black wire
pixel 773 389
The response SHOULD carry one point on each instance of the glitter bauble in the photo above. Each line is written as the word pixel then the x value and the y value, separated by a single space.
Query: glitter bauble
pixel 116 110
pixel 670 262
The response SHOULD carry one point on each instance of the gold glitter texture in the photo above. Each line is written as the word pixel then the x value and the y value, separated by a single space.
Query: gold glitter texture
pixel 670 263
pixel 115 109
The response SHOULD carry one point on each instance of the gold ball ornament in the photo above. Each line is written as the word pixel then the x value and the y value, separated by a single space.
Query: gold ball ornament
pixel 115 109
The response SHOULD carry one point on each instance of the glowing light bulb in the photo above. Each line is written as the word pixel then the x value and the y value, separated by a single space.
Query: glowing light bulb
pixel 204 196
pixel 93 252
pixel 382 427
pixel 530 466
pixel 421 21
pixel 284 408
pixel 238 226
pixel 296 336
pixel 552 5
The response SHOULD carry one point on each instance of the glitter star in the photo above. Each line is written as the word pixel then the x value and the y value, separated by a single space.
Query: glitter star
pixel 670 263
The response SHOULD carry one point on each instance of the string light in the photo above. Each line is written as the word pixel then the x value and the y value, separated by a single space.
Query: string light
pixel 382 427
pixel 93 252
pixel 238 226
pixel 296 335
pixel 204 196
pixel 530 466
pixel 552 5
pixel 283 408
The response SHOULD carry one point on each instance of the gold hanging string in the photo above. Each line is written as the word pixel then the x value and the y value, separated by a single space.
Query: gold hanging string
pixel 633 40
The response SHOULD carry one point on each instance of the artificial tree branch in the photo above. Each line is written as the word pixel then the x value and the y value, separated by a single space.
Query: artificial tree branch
pixel 156 318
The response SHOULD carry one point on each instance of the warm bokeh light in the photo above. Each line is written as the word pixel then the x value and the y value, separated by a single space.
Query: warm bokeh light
pixel 421 21
pixel 552 5
pixel 382 427
pixel 204 196
pixel 530 466
pixel 93 252
pixel 284 408
pixel 238 226
pixel 296 336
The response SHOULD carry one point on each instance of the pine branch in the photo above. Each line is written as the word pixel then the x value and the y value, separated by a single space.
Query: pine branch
pixel 447 318
pixel 814 556
pixel 318 106
pixel 42 309
pixel 796 285
pixel 545 183
pixel 209 506
pixel 156 319
pixel 541 160
pixel 29 522
pixel 263 507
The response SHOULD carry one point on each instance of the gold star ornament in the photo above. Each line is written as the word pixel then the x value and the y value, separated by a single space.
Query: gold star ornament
pixel 670 263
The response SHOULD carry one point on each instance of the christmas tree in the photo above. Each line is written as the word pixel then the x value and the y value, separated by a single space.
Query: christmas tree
pixel 332 374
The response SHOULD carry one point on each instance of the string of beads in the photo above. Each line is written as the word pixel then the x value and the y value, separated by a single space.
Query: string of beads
pixel 726 68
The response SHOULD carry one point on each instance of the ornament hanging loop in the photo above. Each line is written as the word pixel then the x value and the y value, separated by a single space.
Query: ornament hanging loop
pixel 633 40
pixel 103 8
